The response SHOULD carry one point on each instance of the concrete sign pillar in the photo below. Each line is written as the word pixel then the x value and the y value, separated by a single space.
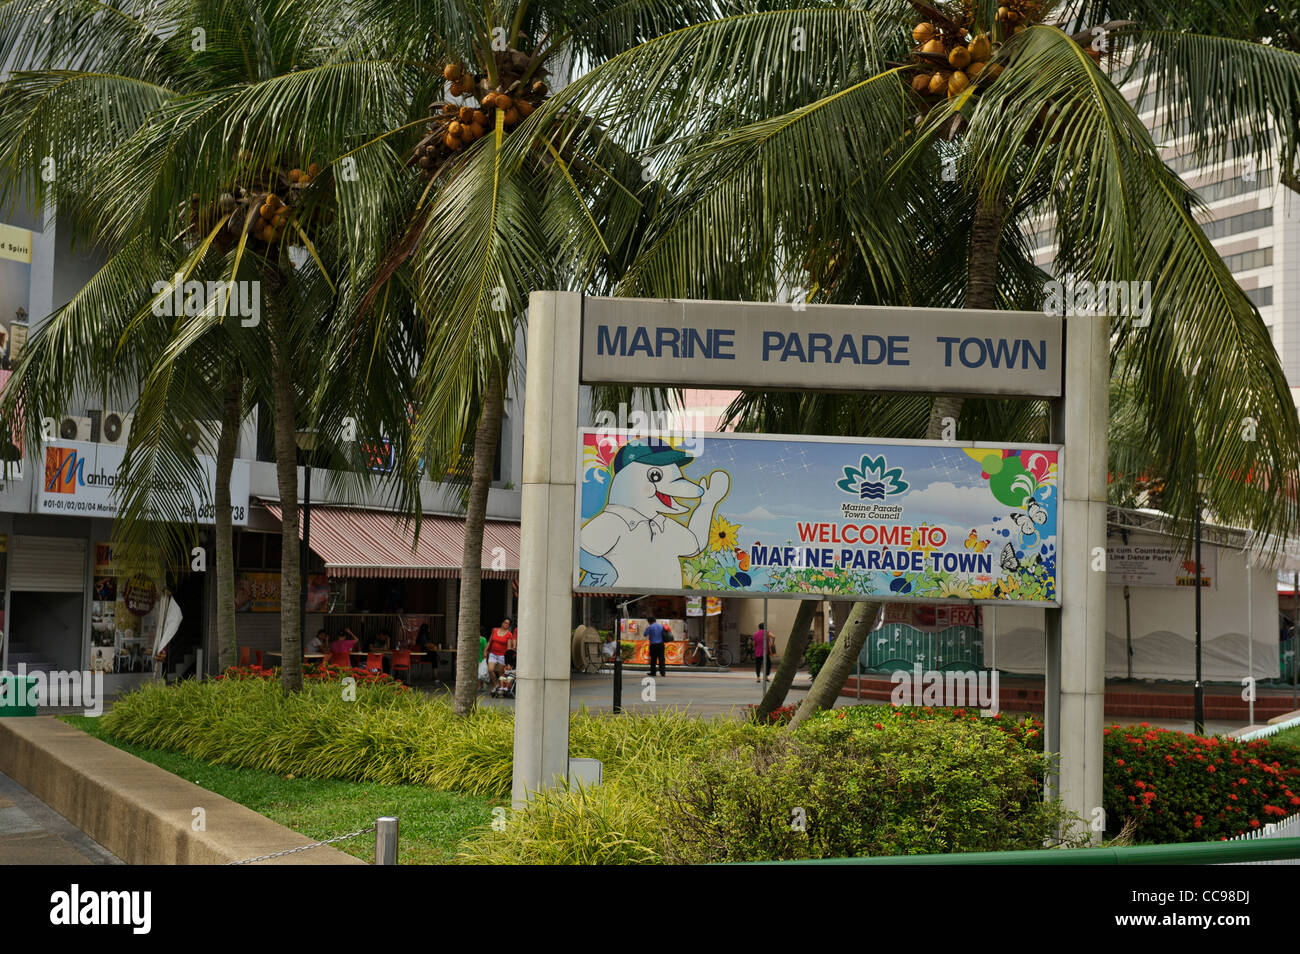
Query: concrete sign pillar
pixel 546 543
pixel 1076 633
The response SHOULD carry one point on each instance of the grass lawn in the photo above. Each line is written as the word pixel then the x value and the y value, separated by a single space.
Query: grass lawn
pixel 1289 736
pixel 432 824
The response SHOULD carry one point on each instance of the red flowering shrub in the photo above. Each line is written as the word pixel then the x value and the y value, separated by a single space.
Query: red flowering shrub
pixel 779 716
pixel 1178 787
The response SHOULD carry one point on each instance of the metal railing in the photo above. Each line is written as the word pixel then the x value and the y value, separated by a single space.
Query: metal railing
pixel 1197 853
pixel 1287 828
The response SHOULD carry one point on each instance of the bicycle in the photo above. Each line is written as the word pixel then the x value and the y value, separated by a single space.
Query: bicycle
pixel 746 649
pixel 702 655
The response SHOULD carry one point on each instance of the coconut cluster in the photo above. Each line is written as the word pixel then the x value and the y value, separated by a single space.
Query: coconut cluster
pixel 1018 14
pixel 948 61
pixel 457 125
pixel 263 206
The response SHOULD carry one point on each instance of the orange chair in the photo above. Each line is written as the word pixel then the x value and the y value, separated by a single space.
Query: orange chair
pixel 375 662
pixel 402 661
pixel 259 658
pixel 245 656
pixel 341 659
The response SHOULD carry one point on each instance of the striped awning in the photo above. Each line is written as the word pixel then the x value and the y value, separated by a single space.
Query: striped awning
pixel 357 543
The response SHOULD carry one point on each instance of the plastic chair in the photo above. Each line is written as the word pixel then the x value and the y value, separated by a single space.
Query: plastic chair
pixel 341 659
pixel 402 661
pixel 375 662
pixel 245 656
pixel 258 653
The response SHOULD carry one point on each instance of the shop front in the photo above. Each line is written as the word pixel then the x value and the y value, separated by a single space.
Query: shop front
pixel 367 574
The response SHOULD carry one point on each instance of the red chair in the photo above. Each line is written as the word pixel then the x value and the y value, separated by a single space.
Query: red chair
pixel 341 659
pixel 259 658
pixel 402 661
pixel 375 662
pixel 245 656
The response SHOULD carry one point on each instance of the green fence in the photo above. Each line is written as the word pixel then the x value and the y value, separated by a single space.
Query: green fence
pixel 900 646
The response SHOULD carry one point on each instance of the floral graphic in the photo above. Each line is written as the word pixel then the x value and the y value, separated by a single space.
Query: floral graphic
pixel 723 535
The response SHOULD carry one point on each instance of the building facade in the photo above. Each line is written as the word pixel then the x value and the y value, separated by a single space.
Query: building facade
pixel 68 606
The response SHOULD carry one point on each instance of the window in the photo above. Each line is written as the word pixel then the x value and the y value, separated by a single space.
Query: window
pixel 1190 159
pixel 1236 185
pixel 1245 261
pixel 259 551
pixel 1043 237
pixel 1245 222
pixel 1262 297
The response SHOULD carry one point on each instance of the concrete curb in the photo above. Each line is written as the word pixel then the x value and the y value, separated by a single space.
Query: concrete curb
pixel 136 810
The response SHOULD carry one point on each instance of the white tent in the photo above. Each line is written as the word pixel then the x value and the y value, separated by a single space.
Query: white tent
pixel 1239 611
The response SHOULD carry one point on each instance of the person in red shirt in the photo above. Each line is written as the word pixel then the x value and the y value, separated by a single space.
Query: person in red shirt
pixel 501 640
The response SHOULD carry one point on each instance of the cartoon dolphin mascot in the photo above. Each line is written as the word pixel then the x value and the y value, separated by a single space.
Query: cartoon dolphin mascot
pixel 639 545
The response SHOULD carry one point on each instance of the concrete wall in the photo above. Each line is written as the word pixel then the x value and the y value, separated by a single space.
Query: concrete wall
pixel 136 810
pixel 780 617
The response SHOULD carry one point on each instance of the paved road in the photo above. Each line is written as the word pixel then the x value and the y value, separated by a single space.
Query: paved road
pixel 32 833
pixel 700 693
pixel 703 693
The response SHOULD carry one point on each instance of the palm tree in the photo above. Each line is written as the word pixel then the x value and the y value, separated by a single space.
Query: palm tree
pixel 814 161
pixel 493 197
pixel 188 150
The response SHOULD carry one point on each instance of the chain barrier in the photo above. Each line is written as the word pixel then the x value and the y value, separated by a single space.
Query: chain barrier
pixel 315 844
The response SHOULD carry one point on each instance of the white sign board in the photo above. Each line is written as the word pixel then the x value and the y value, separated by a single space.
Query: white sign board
pixel 820 347
pixel 1140 565
pixel 80 478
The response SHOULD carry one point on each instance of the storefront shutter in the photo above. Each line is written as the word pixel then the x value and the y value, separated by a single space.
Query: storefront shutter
pixel 47 564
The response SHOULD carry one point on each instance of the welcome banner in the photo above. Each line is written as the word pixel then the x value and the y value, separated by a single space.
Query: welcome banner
pixel 762 515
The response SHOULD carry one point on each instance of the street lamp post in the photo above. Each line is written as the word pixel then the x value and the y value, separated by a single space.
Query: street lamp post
pixel 1198 714
pixel 306 441
pixel 618 652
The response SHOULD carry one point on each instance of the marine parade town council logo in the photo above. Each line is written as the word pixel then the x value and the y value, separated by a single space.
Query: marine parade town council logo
pixel 872 479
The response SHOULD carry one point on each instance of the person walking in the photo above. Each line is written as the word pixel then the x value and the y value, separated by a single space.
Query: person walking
pixel 654 632
pixel 760 649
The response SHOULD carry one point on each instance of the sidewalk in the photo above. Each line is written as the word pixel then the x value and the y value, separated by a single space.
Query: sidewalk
pixel 32 833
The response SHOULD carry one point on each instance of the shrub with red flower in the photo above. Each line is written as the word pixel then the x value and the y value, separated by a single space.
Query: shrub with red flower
pixel 1168 784
pixel 776 717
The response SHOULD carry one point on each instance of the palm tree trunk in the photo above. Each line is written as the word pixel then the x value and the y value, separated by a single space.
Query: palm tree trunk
pixel 981 292
pixel 471 573
pixel 286 472
pixel 227 445
pixel 835 672
pixel 800 634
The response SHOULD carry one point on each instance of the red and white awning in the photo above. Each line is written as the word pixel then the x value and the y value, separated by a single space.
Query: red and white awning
pixel 357 543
